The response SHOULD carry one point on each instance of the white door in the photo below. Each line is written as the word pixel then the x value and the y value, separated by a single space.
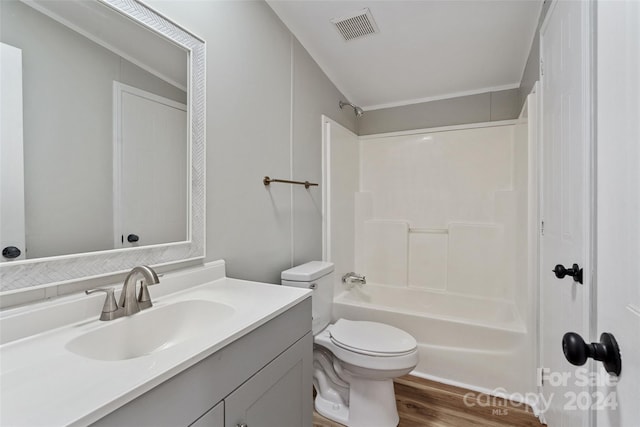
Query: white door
pixel 565 205
pixel 150 168
pixel 618 194
pixel 12 227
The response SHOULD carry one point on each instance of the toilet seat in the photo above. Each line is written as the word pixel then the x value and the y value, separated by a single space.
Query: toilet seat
pixel 367 362
pixel 369 353
pixel 371 338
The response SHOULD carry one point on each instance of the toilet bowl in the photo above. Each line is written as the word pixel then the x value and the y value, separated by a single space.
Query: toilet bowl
pixel 355 362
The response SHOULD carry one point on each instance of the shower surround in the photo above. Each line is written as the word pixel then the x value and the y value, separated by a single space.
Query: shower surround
pixel 440 227
pixel 439 211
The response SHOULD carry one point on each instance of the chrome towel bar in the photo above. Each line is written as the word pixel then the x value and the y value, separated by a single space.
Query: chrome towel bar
pixel 307 184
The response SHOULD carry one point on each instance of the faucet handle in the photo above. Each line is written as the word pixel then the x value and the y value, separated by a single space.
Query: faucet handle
pixel 144 299
pixel 110 306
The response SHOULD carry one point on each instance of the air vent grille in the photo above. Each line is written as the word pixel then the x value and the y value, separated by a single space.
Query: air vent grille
pixel 356 25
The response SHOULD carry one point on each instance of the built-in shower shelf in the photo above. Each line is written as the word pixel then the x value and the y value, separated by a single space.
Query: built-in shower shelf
pixel 429 230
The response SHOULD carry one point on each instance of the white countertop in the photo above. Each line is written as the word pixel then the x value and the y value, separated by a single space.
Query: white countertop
pixel 43 383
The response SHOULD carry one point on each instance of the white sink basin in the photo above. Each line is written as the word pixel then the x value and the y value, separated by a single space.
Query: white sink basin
pixel 151 331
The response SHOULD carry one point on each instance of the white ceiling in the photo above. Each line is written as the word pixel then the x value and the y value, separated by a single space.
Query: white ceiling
pixel 426 49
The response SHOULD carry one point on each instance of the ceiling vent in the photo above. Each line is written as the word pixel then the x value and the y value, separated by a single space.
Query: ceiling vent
pixel 356 25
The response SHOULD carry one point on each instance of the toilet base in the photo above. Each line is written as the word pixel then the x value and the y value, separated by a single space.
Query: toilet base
pixel 334 411
pixel 372 403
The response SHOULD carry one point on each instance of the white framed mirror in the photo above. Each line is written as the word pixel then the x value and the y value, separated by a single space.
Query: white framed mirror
pixel 113 175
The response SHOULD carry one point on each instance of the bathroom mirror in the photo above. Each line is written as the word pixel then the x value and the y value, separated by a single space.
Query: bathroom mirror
pixel 112 140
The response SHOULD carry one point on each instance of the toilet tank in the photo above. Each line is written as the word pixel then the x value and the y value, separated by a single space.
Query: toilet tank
pixel 317 276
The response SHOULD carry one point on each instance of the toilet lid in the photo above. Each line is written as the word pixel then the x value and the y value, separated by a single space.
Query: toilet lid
pixel 371 338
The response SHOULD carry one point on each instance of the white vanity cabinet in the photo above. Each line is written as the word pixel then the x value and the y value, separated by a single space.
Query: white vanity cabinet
pixel 262 379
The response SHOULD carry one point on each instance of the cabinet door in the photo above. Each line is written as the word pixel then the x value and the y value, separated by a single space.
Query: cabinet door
pixel 214 417
pixel 279 395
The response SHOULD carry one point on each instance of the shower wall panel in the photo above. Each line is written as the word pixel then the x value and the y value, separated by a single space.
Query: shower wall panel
pixel 453 192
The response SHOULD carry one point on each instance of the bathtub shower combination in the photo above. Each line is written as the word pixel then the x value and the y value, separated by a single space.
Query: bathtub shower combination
pixel 437 222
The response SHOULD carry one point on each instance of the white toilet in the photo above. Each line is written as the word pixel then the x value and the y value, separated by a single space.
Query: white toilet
pixel 354 362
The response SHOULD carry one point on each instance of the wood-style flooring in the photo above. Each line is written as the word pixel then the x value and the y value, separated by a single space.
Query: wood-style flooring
pixel 425 403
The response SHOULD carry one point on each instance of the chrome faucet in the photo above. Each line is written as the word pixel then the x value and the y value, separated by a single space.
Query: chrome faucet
pixel 128 304
pixel 352 278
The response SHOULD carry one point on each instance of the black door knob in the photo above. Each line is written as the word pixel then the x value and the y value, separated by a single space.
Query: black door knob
pixel 132 238
pixel 575 271
pixel 11 252
pixel 606 351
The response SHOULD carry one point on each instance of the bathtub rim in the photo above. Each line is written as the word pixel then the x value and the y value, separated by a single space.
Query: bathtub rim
pixel 515 326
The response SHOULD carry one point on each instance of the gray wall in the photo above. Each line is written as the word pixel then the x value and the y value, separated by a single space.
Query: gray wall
pixel 265 96
pixel 483 107
pixel 67 96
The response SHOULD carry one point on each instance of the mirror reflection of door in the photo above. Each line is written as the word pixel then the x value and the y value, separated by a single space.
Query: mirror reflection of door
pixel 150 168
pixel 12 227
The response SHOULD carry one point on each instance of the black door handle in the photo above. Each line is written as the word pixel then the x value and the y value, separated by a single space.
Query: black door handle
pixel 575 271
pixel 606 351
pixel 11 252
pixel 132 238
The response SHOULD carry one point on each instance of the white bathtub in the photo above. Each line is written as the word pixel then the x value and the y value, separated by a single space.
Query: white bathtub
pixel 476 343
